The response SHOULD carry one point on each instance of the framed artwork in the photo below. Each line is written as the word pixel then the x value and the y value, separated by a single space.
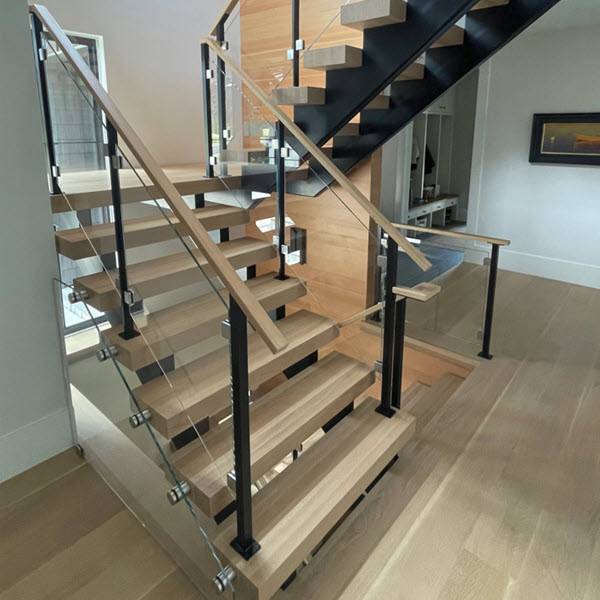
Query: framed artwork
pixel 568 139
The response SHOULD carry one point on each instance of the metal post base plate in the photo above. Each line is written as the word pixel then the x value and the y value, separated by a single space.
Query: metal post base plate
pixel 386 412
pixel 246 552
pixel 129 335
pixel 485 355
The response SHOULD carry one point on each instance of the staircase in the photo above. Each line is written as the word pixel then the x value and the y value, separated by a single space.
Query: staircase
pixel 245 438
pixel 412 53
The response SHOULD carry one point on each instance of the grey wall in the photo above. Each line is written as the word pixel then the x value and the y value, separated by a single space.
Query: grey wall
pixel 152 50
pixel 34 418
pixel 551 213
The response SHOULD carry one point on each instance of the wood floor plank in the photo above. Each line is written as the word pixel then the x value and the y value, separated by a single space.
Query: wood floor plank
pixel 33 480
pixel 174 587
pixel 51 520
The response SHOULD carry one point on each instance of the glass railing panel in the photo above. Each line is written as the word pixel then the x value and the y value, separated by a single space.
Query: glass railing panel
pixel 177 305
pixel 455 318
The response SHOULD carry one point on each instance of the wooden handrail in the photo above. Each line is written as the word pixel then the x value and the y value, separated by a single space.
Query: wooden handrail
pixel 454 234
pixel 359 316
pixel 224 14
pixel 255 313
pixel 323 159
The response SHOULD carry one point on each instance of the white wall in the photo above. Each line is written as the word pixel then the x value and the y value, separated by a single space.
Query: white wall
pixel 551 213
pixel 152 50
pixel 34 418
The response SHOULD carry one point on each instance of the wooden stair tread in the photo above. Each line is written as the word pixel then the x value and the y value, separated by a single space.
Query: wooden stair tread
pixel 424 402
pixel 348 130
pixel 90 189
pixel 166 273
pixel 77 243
pixel 455 36
pixel 333 58
pixel 296 510
pixel 280 421
pixel 177 327
pixel 483 4
pixel 299 96
pixel 415 72
pixel 381 102
pixel 201 388
pixel 373 13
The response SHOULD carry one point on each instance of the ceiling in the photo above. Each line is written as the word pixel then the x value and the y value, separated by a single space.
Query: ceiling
pixel 569 13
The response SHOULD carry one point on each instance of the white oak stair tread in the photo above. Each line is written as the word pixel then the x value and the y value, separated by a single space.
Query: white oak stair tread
pixel 153 277
pixel 414 72
pixel 299 96
pixel 424 402
pixel 90 189
pixel 455 36
pixel 100 239
pixel 381 102
pixel 280 421
pixel 333 58
pixel 349 130
pixel 296 510
pixel 373 13
pixel 200 389
pixel 490 4
pixel 180 326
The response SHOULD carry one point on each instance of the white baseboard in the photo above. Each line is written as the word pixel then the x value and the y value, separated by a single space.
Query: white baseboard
pixel 34 443
pixel 551 268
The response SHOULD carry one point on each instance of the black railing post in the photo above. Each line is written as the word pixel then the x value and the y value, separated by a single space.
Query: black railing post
pixel 221 89
pixel 385 408
pixel 127 299
pixel 244 543
pixel 295 42
pixel 489 306
pixel 207 109
pixel 41 55
pixel 399 329
pixel 281 188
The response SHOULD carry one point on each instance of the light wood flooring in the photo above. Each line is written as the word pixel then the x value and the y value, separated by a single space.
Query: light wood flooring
pixel 497 498
pixel 64 535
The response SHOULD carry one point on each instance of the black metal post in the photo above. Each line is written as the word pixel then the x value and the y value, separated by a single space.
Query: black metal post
pixel 251 272
pixel 385 408
pixel 224 234
pixel 244 543
pixel 41 56
pixel 295 38
pixel 127 300
pixel 207 109
pixel 221 89
pixel 489 307
pixel 399 327
pixel 280 186
pixel 199 201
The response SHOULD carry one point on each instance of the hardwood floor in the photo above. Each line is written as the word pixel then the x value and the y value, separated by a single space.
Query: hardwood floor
pixel 499 496
pixel 64 535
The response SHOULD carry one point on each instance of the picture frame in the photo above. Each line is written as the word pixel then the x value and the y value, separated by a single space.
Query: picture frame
pixel 566 138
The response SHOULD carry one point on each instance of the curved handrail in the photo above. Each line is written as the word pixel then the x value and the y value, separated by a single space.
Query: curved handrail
pixel 454 234
pixel 322 158
pixel 254 311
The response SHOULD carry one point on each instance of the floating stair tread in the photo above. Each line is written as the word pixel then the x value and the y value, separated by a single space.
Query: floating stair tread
pixel 299 96
pixel 90 189
pixel 201 388
pixel 280 422
pixel 373 13
pixel 424 402
pixel 455 36
pixel 297 509
pixel 333 58
pixel 180 326
pixel 490 4
pixel 415 72
pixel 349 130
pixel 77 243
pixel 381 102
pixel 163 274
